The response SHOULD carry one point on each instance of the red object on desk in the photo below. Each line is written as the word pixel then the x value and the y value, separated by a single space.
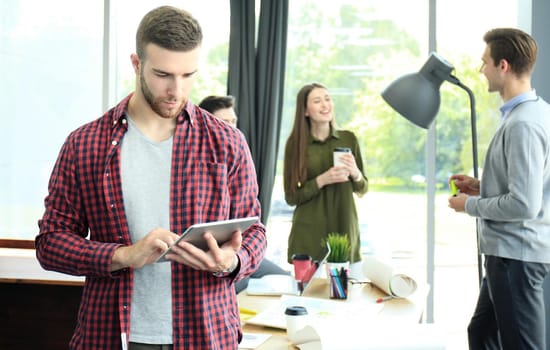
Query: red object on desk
pixel 383 299
pixel 304 267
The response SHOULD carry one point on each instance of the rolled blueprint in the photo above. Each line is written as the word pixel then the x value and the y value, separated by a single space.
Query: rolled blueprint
pixel 387 279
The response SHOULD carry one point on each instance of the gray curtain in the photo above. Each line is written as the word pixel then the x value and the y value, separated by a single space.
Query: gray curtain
pixel 256 79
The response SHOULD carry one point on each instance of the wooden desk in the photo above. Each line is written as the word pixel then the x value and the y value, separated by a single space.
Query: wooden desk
pixel 408 311
pixel 38 308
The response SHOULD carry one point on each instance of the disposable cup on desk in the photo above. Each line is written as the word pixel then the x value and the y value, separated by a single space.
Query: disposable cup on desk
pixel 296 319
pixel 304 267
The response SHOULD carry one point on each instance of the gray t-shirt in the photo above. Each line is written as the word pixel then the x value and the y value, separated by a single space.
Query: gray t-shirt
pixel 146 190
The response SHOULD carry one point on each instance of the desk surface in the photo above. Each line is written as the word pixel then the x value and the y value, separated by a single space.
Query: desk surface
pixel 397 310
pixel 21 266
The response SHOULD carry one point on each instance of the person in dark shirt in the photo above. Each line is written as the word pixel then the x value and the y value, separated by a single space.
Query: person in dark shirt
pixel 321 191
pixel 223 107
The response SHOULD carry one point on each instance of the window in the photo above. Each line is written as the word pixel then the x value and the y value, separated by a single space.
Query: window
pixel 456 243
pixel 51 65
pixel 356 48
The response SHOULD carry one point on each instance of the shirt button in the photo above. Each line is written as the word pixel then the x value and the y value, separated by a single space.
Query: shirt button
pixel 123 121
pixel 114 142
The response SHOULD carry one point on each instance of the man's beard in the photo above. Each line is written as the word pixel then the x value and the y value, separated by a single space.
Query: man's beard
pixel 155 103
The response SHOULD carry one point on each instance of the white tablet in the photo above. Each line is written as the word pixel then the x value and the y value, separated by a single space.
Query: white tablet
pixel 221 230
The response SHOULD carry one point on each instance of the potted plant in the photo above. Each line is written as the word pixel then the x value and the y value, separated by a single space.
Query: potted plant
pixel 340 251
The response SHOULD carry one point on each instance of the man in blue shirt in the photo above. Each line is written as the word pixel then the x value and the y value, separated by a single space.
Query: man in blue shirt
pixel 512 202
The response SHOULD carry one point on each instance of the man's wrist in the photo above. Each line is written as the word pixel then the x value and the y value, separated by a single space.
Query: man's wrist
pixel 118 261
pixel 230 270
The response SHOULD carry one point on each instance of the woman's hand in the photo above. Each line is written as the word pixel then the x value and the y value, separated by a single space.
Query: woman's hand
pixel 351 166
pixel 336 174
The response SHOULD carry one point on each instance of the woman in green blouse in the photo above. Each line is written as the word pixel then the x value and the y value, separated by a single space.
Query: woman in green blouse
pixel 321 192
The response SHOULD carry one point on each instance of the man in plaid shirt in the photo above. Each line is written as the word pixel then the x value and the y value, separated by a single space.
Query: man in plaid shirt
pixel 147 169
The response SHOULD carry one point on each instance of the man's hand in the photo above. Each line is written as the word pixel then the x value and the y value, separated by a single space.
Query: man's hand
pixel 458 202
pixel 145 251
pixel 466 184
pixel 216 259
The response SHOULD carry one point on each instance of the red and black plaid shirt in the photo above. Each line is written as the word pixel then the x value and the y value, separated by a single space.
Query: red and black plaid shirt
pixel 213 178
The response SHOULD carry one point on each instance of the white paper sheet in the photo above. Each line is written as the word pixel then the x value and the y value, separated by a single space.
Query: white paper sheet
pixel 368 336
pixel 253 340
pixel 318 309
pixel 273 285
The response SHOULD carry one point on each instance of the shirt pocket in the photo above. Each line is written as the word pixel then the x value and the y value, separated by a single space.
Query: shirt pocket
pixel 212 191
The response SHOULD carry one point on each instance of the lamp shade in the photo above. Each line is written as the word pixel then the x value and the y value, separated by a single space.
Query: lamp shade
pixel 416 96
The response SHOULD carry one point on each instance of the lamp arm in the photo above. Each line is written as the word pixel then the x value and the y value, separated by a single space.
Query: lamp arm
pixel 454 80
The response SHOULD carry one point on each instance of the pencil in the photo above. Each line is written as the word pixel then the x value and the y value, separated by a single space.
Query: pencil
pixel 383 299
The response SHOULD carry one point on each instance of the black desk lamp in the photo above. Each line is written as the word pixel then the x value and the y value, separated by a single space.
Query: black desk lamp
pixel 416 97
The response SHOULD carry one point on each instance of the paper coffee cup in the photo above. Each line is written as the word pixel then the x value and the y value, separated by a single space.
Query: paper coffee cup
pixel 296 319
pixel 337 153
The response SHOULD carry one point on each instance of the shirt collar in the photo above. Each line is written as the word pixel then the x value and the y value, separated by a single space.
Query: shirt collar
pixel 334 134
pixel 507 107
pixel 188 112
pixel 119 111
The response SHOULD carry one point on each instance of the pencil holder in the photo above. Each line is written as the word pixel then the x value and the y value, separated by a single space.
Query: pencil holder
pixel 338 284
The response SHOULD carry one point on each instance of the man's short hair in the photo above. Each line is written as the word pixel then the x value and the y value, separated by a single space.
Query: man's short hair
pixel 214 103
pixel 170 28
pixel 515 46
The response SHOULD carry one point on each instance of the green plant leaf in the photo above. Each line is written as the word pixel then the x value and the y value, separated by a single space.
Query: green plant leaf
pixel 340 247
